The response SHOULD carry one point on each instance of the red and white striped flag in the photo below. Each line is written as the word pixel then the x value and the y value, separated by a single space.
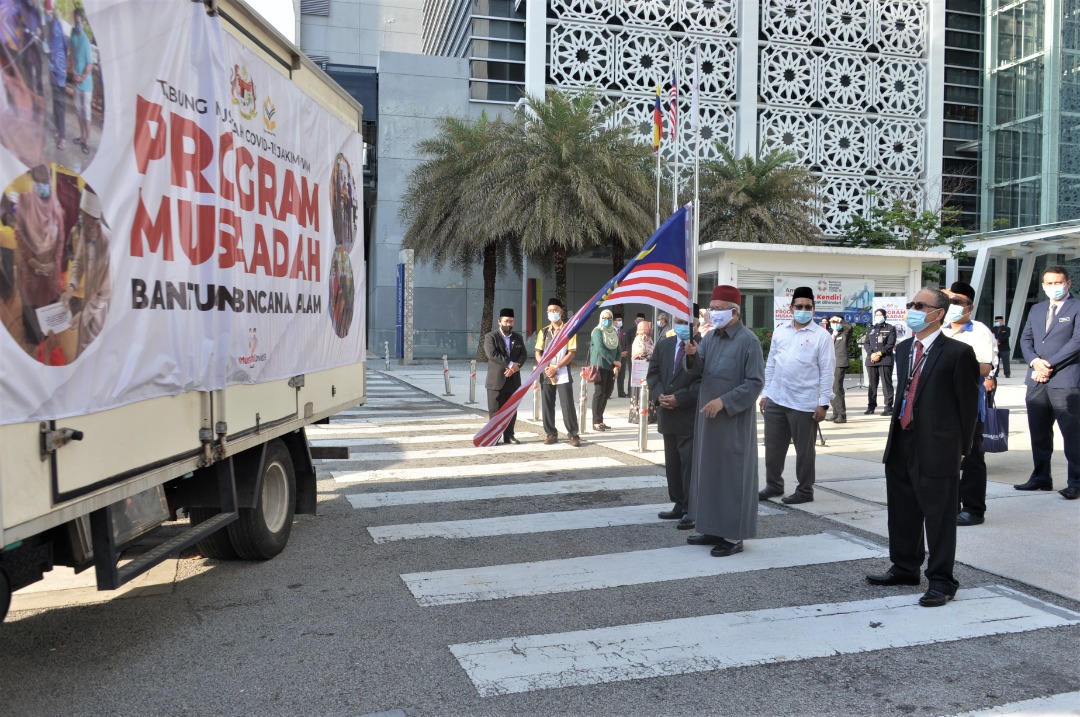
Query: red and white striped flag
pixel 673 105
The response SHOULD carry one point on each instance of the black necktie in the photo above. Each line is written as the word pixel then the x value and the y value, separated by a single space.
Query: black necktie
pixel 1050 315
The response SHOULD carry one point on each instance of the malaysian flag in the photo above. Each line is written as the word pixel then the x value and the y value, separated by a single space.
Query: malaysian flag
pixel 673 107
pixel 657 276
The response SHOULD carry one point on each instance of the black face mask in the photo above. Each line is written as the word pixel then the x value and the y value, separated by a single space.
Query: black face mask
pixel 506 330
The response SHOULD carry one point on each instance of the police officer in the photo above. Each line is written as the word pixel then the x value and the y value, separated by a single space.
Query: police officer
pixel 878 344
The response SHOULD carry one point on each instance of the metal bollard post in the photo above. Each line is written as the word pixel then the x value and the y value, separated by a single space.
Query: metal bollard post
pixel 536 398
pixel 643 418
pixel 472 382
pixel 446 375
pixel 386 350
pixel 583 405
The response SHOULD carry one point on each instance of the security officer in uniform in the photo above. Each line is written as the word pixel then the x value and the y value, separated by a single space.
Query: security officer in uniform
pixel 879 343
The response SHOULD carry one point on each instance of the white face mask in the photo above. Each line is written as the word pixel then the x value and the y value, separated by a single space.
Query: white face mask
pixel 721 318
pixel 954 314
pixel 554 316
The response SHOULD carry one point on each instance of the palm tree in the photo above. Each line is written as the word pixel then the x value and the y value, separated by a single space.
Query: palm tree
pixel 758 200
pixel 451 196
pixel 579 182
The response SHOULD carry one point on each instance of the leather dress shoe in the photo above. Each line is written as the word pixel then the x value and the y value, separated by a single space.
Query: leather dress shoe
pixel 704 540
pixel 1070 492
pixel 968 518
pixel 767 493
pixel 575 441
pixel 726 548
pixel 886 411
pixel 598 427
pixel 840 420
pixel 891 578
pixel 670 514
pixel 1034 485
pixel 870 411
pixel 934 598
pixel 550 439
pixel 685 524
pixel 796 498
pixel 510 439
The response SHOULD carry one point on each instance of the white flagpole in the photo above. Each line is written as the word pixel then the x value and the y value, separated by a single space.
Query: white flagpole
pixel 695 119
pixel 675 145
pixel 658 186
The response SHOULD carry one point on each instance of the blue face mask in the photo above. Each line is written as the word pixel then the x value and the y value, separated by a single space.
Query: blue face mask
pixel 682 331
pixel 43 189
pixel 605 323
pixel 1055 293
pixel 554 316
pixel 916 320
pixel 803 316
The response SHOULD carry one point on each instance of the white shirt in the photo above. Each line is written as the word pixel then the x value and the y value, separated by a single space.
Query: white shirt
pixel 799 372
pixel 979 337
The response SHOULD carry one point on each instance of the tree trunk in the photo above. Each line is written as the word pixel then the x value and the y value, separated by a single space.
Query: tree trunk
pixel 490 268
pixel 560 276
pixel 618 256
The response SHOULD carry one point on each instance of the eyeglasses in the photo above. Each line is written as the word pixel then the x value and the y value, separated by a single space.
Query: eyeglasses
pixel 920 306
pixel 959 301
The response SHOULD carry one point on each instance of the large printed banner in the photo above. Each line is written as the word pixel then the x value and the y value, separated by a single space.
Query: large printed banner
pixel 851 298
pixel 176 216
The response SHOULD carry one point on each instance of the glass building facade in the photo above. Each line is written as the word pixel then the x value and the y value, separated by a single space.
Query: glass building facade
pixel 491 34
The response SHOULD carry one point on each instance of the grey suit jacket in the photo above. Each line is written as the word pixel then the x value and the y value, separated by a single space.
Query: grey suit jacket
pixel 665 377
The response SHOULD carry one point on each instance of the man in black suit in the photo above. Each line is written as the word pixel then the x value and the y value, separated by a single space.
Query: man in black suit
pixel 505 349
pixel 1051 347
pixel 841 332
pixel 932 426
pixel 1003 333
pixel 675 392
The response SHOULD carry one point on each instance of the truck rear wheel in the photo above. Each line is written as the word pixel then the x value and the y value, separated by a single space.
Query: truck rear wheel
pixel 261 532
pixel 5 595
pixel 217 545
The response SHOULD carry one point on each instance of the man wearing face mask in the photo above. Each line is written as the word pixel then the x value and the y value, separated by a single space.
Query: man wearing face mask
pixel 960 325
pixel 1003 334
pixel 505 349
pixel 1051 346
pixel 89 271
pixel 840 334
pixel 556 378
pixel 878 345
pixel 724 477
pixel 933 422
pixel 675 392
pixel 39 250
pixel 798 387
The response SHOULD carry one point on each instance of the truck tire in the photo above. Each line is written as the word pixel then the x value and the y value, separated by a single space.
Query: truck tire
pixel 261 532
pixel 217 545
pixel 5 595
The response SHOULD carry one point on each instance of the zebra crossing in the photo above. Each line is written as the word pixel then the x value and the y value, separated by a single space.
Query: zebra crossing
pixel 459 493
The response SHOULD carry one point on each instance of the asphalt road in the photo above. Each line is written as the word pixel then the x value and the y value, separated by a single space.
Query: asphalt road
pixel 340 624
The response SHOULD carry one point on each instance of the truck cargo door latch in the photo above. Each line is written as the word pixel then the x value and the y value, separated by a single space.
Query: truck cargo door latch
pixel 53 438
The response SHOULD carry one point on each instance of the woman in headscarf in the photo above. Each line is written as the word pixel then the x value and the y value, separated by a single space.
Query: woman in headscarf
pixel 640 350
pixel 39 250
pixel 604 354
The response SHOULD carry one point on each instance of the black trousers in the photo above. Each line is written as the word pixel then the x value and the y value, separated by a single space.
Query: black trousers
pixel 622 379
pixel 839 404
pixel 918 502
pixel 566 402
pixel 1046 405
pixel 973 476
pixel 884 375
pixel 678 460
pixel 498 399
pixel 782 426
pixel 601 393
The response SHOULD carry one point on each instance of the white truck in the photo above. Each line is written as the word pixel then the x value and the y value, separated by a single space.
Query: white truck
pixel 181 283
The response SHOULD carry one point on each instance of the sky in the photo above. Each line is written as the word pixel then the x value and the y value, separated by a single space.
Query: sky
pixel 279 13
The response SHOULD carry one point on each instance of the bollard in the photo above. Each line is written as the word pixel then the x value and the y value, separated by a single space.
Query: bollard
pixel 446 375
pixel 583 404
pixel 386 350
pixel 536 399
pixel 472 382
pixel 643 418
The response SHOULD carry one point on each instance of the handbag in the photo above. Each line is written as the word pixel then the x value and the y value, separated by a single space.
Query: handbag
pixel 590 374
pixel 995 428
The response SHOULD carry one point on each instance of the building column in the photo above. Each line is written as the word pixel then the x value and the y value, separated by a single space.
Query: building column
pixel 1001 278
pixel 978 274
pixel 1019 297
pixel 1051 111
pixel 746 66
pixel 952 271
pixel 935 104
pixel 535 47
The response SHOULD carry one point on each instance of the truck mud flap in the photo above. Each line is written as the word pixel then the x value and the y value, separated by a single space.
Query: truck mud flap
pixel 111 575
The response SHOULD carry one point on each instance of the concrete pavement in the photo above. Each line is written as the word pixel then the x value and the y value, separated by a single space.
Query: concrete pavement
pixel 1031 537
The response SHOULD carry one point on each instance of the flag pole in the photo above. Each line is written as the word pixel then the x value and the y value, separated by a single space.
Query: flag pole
pixel 695 109
pixel 657 152
pixel 658 135
pixel 674 115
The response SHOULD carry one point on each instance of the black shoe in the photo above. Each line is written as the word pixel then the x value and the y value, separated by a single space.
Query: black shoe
pixel 886 411
pixel 624 395
pixel 725 548
pixel 510 439
pixel 796 498
pixel 685 524
pixel 935 598
pixel 870 411
pixel 842 419
pixel 891 578
pixel 1034 485
pixel 769 493
pixel 704 540
pixel 670 514
pixel 1070 492
pixel 969 518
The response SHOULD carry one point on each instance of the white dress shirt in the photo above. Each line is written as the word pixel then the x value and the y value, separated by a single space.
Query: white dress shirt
pixel 799 372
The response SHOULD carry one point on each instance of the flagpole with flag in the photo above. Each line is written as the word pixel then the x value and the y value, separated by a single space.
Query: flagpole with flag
pixel 657 133
pixel 695 120
pixel 673 131
pixel 657 276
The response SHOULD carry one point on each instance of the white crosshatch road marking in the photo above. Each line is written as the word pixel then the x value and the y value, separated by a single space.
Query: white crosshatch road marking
pixel 530 523
pixel 1066 703
pixel 376 413
pixel 717 642
pixel 446 587
pixel 512 490
pixel 338 430
pixel 422 418
pixel 402 440
pixel 401 400
pixel 433 454
pixel 474 470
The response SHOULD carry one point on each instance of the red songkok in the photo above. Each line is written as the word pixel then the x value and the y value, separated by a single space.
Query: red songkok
pixel 726 293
